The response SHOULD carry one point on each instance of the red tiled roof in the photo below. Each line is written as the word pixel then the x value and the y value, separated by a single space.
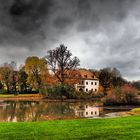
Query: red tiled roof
pixel 86 74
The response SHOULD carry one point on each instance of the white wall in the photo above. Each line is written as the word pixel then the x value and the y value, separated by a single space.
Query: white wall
pixel 90 86
pixel 88 111
pixel 91 111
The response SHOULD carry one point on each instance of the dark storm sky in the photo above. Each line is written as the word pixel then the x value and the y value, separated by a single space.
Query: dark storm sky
pixel 102 33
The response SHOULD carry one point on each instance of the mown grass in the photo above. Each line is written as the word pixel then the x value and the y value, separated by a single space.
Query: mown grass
pixel 125 128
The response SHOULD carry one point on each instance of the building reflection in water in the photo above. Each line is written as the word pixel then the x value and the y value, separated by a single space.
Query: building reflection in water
pixel 87 111
pixel 41 111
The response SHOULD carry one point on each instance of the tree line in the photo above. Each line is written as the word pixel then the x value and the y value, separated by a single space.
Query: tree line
pixel 35 75
pixel 39 74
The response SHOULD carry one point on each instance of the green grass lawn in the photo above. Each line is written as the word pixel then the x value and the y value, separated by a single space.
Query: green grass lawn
pixel 126 128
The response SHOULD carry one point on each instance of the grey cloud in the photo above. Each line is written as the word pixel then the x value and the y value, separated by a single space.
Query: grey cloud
pixel 21 21
pixel 29 18
pixel 105 31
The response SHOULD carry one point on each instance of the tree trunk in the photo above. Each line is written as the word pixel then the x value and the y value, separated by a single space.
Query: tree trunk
pixel 8 88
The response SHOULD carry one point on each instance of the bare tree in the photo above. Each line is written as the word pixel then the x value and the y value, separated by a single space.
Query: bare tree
pixel 60 61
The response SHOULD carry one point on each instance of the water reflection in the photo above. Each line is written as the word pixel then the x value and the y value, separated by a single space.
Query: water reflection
pixel 87 111
pixel 40 111
pixel 34 111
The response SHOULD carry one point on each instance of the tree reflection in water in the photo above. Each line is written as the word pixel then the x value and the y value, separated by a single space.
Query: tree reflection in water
pixel 14 111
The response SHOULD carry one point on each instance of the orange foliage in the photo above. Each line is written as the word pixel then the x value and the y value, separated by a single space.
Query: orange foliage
pixel 72 77
pixel 128 88
pixel 48 79
pixel 101 89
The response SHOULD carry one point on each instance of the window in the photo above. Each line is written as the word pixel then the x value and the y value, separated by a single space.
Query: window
pixel 85 76
pixel 95 90
pixel 95 113
pixel 86 83
pixel 91 113
pixel 82 82
pixel 80 89
pixel 81 114
pixel 86 90
pixel 91 83
pixel 86 113
pixel 95 83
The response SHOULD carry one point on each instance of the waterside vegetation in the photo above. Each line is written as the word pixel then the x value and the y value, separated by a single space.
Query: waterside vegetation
pixel 54 77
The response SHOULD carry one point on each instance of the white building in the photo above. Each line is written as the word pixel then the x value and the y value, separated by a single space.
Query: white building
pixel 87 81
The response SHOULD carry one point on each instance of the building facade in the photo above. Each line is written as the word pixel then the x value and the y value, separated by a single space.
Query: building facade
pixel 87 82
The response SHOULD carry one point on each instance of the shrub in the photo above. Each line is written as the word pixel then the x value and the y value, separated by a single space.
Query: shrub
pixel 87 95
pixel 1 86
pixel 135 111
pixel 98 95
pixel 126 95
pixel 3 91
pixel 60 91
pixel 82 95
pixel 67 91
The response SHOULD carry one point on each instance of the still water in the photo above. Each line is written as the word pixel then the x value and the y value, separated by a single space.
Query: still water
pixel 13 111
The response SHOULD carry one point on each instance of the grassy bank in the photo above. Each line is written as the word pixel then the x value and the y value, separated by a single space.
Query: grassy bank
pixel 126 128
pixel 21 97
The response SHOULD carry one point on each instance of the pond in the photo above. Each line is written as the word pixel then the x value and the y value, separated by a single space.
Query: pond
pixel 19 111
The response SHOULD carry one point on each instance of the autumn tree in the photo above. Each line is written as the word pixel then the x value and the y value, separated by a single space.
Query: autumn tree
pixel 9 76
pixel 109 78
pixel 72 77
pixel 14 81
pixel 34 67
pixel 48 79
pixel 105 80
pixel 1 85
pixel 60 61
pixel 14 76
pixel 23 85
pixel 5 76
pixel 136 84
pixel 117 80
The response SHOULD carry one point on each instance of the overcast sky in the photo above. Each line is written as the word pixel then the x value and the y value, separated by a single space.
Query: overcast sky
pixel 102 33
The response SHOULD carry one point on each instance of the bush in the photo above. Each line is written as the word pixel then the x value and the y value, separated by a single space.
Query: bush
pixel 28 92
pixel 87 95
pixel 61 91
pixel 98 95
pixel 66 91
pixel 3 91
pixel 126 95
pixel 135 111
pixel 82 95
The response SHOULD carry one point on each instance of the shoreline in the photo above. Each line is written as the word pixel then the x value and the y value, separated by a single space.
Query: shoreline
pixel 32 97
pixel 38 97
pixel 42 99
